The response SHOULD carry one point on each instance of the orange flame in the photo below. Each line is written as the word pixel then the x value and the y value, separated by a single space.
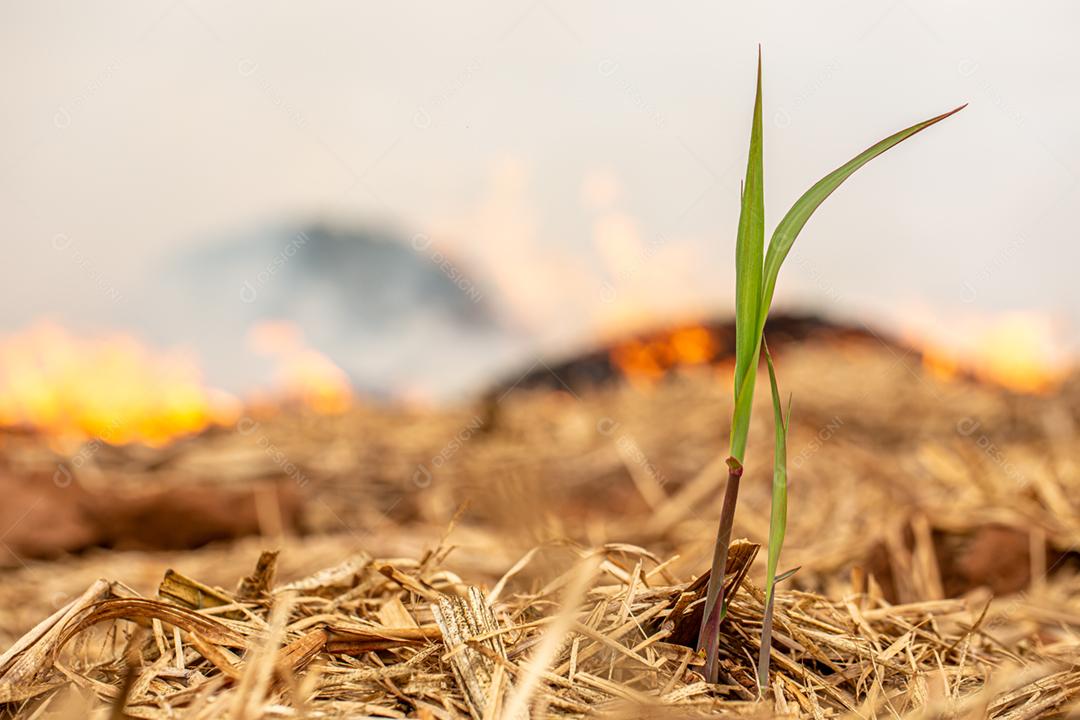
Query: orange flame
pixel 303 374
pixel 117 389
pixel 646 360
pixel 112 388
pixel 1019 351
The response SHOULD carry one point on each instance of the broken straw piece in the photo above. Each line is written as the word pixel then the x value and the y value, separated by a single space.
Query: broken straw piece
pixel 461 620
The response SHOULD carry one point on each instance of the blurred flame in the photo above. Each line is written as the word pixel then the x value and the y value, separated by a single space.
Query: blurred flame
pixel 302 374
pixel 644 360
pixel 119 390
pixel 1018 350
pixel 113 388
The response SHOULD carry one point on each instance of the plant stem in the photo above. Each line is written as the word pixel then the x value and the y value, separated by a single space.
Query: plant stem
pixel 766 642
pixel 709 636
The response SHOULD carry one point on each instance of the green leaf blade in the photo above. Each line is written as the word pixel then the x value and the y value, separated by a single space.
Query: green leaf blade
pixel 749 258
pixel 796 218
pixel 777 519
pixel 778 516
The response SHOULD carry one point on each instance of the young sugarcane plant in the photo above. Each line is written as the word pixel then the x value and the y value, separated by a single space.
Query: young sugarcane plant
pixel 755 282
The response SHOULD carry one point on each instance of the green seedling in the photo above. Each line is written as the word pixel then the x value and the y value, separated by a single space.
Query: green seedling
pixel 756 271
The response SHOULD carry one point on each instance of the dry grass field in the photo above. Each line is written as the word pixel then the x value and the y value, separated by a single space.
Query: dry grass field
pixel 542 553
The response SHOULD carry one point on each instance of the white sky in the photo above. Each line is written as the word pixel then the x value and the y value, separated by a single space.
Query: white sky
pixel 585 156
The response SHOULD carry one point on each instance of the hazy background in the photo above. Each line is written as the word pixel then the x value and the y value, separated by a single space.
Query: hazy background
pixel 549 171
